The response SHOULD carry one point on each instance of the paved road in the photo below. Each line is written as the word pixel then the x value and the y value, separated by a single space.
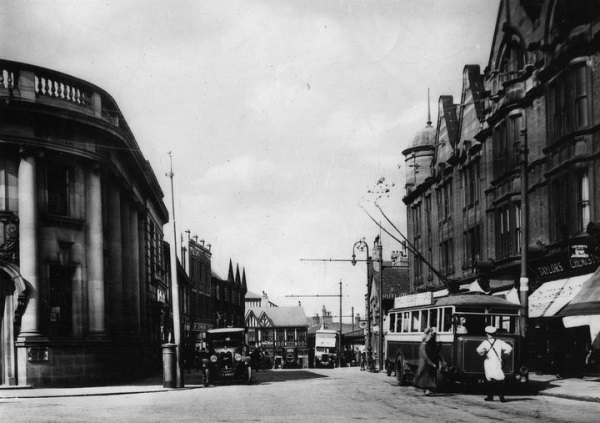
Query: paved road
pixel 333 395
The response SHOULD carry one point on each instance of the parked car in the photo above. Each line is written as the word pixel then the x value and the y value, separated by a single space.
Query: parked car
pixel 227 358
pixel 290 358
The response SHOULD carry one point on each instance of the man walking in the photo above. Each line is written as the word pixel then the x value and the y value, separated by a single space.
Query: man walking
pixel 493 350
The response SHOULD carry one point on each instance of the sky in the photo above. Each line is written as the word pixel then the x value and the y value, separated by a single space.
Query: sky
pixel 280 116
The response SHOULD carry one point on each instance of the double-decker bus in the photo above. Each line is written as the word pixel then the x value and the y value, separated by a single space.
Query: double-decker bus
pixel 325 348
pixel 459 321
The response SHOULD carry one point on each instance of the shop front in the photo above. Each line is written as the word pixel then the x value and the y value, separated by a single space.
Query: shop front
pixel 564 310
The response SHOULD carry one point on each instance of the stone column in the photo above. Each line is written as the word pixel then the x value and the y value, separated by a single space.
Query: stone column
pixel 95 255
pixel 28 244
pixel 115 257
pixel 126 262
pixel 135 268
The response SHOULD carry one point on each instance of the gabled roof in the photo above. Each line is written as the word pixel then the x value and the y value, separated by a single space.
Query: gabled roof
pixel 280 316
pixel 395 281
pixel 244 286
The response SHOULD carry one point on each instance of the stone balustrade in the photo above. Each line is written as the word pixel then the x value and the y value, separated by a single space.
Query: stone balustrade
pixel 23 82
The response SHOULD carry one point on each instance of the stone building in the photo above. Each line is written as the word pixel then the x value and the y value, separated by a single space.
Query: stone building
pixel 82 268
pixel 229 297
pixel 511 175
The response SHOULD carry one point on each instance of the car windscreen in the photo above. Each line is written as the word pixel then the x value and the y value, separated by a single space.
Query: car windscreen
pixel 226 342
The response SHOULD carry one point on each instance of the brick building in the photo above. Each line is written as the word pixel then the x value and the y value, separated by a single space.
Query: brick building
pixel 517 157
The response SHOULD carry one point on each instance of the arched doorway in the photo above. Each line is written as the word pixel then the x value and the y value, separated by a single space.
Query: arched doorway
pixel 11 286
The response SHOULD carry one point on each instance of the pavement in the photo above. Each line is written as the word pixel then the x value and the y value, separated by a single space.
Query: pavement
pixel 579 389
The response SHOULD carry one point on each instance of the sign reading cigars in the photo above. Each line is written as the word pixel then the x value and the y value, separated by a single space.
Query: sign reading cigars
pixel 414 300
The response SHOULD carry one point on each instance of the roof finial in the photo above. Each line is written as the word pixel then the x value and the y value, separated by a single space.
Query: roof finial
pixel 428 109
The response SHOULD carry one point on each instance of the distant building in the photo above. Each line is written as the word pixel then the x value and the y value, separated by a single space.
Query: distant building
pixel 229 298
pixel 273 328
pixel 257 300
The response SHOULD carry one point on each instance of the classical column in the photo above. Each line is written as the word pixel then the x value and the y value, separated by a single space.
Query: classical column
pixel 115 257
pixel 95 255
pixel 28 245
pixel 126 265
pixel 135 268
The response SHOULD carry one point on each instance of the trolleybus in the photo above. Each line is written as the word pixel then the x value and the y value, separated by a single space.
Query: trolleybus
pixel 459 321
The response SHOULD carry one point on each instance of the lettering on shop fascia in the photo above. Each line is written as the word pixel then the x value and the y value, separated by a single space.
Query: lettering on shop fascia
pixel 573 262
pixel 283 344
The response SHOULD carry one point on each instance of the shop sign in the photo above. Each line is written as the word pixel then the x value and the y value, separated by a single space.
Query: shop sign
pixel 414 300
pixel 283 344
pixel 577 259
pixel 200 327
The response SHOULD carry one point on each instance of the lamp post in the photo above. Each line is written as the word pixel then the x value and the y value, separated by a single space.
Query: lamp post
pixel 379 249
pixel 524 279
pixel 361 245
pixel 175 291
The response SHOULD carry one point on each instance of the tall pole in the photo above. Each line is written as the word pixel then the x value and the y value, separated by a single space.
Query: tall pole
pixel 524 279
pixel 380 298
pixel 175 287
pixel 341 346
pixel 362 246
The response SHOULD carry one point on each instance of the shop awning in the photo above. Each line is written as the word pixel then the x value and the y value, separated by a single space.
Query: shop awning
pixel 552 296
pixel 587 300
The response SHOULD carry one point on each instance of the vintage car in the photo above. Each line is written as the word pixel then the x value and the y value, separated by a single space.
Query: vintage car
pixel 290 358
pixel 227 356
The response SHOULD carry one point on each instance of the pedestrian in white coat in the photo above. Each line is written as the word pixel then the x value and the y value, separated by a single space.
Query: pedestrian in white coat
pixel 493 350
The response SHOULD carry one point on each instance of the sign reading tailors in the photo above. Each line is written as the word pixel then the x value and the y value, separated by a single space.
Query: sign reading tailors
pixel 413 300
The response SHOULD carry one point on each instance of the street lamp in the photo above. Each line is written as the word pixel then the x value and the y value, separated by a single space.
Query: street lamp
pixel 379 249
pixel 362 246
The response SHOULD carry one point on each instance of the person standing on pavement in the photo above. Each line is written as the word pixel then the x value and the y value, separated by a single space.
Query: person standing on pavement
pixel 493 350
pixel 426 376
